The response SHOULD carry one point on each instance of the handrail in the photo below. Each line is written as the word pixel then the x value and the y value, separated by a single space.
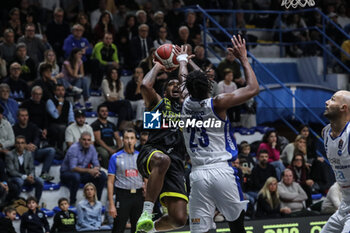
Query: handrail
pixel 262 66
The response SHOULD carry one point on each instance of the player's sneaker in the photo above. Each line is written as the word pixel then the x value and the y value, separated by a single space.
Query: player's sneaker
pixel 145 223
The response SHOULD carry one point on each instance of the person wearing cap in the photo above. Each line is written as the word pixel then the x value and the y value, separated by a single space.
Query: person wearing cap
pixel 7 137
pixel 74 131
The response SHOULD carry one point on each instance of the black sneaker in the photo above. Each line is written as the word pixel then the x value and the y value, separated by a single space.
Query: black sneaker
pixel 46 177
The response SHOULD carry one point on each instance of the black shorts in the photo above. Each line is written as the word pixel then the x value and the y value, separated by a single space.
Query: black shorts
pixel 174 181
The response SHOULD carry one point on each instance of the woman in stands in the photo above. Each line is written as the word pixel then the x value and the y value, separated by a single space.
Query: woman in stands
pixel 89 210
pixel 269 204
pixel 299 145
pixel 83 20
pixel 113 92
pixel 270 143
pixel 104 25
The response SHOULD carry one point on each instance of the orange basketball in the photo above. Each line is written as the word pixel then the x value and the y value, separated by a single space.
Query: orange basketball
pixel 165 55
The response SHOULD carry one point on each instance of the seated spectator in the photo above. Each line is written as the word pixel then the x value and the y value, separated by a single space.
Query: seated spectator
pixel 299 145
pixel 46 82
pixel 147 63
pixel 227 85
pixel 34 220
pixel 32 134
pixel 192 24
pixel 8 47
pixel 35 46
pixel 271 144
pixel 9 105
pixel 4 185
pixel 3 68
pixel 333 199
pixel 200 60
pixel 343 19
pixel 73 71
pixel 106 54
pixel 76 40
pixel 246 159
pixel 64 220
pixel 103 26
pixel 14 22
pixel 6 224
pixel 211 75
pixel 35 106
pixel 158 22
pixel 228 62
pixel 83 20
pixel 61 114
pixel 89 210
pixel 50 58
pixel 106 134
pixel 56 31
pixel 301 174
pixel 95 15
pixel 183 36
pixel 161 38
pixel 260 173
pixel 73 131
pixel 21 170
pixel 28 65
pixel 81 165
pixel 291 193
pixel 269 204
pixel 140 45
pixel 143 139
pixel 7 137
pixel 19 88
pixel 133 94
pixel 113 92
pixel 311 144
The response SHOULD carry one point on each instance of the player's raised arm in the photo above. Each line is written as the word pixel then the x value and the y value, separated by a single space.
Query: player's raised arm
pixel 241 95
pixel 149 95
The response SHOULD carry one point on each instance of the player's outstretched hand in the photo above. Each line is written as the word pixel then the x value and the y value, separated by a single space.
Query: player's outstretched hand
pixel 239 48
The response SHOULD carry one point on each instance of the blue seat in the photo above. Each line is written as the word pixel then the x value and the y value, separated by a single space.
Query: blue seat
pixel 316 196
pixel 71 208
pixel 50 186
pixel 48 213
pixel 57 162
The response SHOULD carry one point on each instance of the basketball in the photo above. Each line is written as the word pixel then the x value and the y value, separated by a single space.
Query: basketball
pixel 165 55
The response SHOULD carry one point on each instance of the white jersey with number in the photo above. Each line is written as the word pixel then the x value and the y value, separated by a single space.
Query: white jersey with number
pixel 210 142
pixel 338 153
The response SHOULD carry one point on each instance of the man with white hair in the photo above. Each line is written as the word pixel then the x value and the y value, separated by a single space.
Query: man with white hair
pixel 10 105
pixel 140 45
pixel 76 40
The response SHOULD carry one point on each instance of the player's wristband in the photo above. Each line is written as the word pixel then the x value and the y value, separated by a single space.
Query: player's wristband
pixel 182 57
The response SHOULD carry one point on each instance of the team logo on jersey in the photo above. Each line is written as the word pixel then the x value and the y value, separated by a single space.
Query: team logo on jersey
pixel 340 144
pixel 195 220
pixel 131 172
pixel 151 120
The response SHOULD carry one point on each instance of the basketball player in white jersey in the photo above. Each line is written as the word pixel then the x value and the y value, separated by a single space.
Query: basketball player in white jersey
pixel 214 182
pixel 337 146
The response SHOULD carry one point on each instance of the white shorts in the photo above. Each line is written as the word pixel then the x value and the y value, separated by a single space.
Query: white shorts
pixel 339 222
pixel 214 186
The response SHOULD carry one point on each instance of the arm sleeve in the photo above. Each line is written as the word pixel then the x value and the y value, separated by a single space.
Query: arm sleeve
pixel 56 219
pixel 80 218
pixel 112 166
pixel 67 47
pixel 95 161
pixel 31 164
pixel 121 91
pixel 51 109
pixel 10 166
pixel 105 88
pixel 115 54
pixel 69 134
pixel 73 158
pixel 70 114
pixel 97 53
pixel 9 141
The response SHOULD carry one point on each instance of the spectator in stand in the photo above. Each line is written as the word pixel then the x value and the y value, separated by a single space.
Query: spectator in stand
pixel 4 185
pixel 271 144
pixel 46 81
pixel 107 139
pixel 74 131
pixel 343 19
pixel 27 64
pixel 158 22
pixel 57 30
pixel 183 36
pixel 227 85
pixel 120 16
pixel 9 105
pixel 65 220
pixel 291 193
pixel 35 106
pixel 113 92
pixel 174 17
pixel 269 204
pixel 19 88
pixel 192 25
pixel 211 75
pixel 260 173
pixel 96 14
pixel 3 68
pixel 143 139
pixel 333 199
pixel 89 210
pixel 310 144
pixel 83 20
pixel 133 94
pixel 301 174
pixel 35 46
pixel 103 26
pixel 140 45
pixel 106 54
pixel 15 22
pixel 161 38
pixel 20 167
pixel 7 137
pixel 81 165
pixel 298 146
pixel 147 63
pixel 32 134
pixel 6 224
pixel 34 220
pixel 141 17
pixel 246 160
pixel 61 114
pixel 76 40
pixel 73 71
pixel 228 62
pixel 50 58
pixel 200 60
pixel 124 36
pixel 8 47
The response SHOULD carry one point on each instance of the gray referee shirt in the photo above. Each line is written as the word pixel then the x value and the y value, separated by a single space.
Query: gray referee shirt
pixel 124 167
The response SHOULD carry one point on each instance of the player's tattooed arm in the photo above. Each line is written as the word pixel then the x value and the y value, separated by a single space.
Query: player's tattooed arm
pixel 149 95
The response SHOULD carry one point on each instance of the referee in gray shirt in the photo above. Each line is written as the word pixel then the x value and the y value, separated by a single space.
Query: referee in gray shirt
pixel 124 178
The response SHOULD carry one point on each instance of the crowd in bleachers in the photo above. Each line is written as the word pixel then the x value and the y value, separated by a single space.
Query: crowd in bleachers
pixel 50 51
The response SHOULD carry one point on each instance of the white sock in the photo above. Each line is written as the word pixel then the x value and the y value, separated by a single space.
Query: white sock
pixel 148 206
